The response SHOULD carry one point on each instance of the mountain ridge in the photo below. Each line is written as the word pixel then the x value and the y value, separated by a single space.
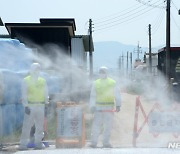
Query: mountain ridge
pixel 107 53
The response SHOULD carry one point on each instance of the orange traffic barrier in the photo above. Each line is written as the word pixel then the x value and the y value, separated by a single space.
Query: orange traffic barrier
pixel 139 108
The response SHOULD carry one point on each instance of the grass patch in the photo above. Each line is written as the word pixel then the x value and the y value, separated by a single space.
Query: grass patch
pixel 11 138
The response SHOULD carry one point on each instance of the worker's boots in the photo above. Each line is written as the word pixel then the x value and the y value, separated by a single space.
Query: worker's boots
pixel 107 146
pixel 39 146
pixel 93 145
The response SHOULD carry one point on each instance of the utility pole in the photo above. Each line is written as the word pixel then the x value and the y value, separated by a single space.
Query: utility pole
pixel 138 51
pixel 119 65
pixel 119 62
pixel 122 64
pixel 150 54
pixel 168 55
pixel 90 50
pixel 127 63
pixel 131 62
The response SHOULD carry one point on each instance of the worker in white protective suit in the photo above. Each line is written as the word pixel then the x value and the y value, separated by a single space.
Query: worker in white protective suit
pixel 105 95
pixel 34 99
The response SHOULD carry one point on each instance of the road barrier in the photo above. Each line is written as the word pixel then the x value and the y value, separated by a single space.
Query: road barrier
pixel 159 120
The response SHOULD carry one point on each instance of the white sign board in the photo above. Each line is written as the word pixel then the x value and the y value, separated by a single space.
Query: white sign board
pixel 160 122
pixel 69 122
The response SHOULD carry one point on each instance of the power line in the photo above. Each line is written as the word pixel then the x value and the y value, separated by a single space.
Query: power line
pixel 126 15
pixel 157 22
pixel 151 5
pixel 159 17
pixel 174 5
pixel 109 16
pixel 125 20
pixel 118 15
pixel 111 20
pixel 156 27
pixel 175 22
pixel 85 25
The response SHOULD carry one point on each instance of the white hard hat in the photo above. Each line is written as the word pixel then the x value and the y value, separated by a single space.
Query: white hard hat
pixel 103 70
pixel 35 67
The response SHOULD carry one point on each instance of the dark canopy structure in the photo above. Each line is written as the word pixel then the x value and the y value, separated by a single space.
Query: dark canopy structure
pixel 48 31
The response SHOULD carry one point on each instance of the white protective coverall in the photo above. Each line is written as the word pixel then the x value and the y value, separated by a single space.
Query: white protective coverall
pixel 36 115
pixel 103 116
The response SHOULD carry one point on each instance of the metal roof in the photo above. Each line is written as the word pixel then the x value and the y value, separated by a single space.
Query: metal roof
pixel 59 21
pixel 46 23
pixel 4 36
pixel 171 49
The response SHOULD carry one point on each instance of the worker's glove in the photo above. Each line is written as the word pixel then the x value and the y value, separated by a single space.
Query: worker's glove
pixel 117 108
pixel 93 109
pixel 27 110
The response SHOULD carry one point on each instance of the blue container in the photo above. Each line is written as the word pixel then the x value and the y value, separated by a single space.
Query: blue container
pixel 19 116
pixel 1 124
pixel 12 83
pixel 9 118
pixel 14 55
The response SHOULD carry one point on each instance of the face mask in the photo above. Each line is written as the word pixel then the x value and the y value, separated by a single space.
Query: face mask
pixel 35 74
pixel 103 76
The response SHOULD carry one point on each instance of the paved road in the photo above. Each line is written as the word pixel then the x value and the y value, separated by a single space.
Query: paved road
pixel 103 151
pixel 87 150
pixel 52 150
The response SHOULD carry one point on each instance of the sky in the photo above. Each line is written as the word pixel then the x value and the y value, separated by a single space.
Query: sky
pixel 124 21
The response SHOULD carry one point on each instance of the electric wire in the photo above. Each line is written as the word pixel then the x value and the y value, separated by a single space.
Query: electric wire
pixel 178 27
pixel 114 14
pixel 151 5
pixel 126 15
pixel 159 22
pixel 156 23
pixel 118 15
pixel 86 25
pixel 133 17
pixel 110 23
pixel 174 5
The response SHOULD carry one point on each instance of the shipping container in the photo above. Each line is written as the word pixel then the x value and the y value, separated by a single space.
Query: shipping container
pixel 14 55
pixel 8 118
pixel 11 87
pixel 1 126
pixel 19 114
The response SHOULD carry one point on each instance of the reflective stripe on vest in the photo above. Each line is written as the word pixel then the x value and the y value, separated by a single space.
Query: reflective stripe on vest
pixel 35 90
pixel 105 92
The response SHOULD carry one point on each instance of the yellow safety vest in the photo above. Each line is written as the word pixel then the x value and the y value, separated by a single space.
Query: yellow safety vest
pixel 105 92
pixel 35 90
pixel 178 66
